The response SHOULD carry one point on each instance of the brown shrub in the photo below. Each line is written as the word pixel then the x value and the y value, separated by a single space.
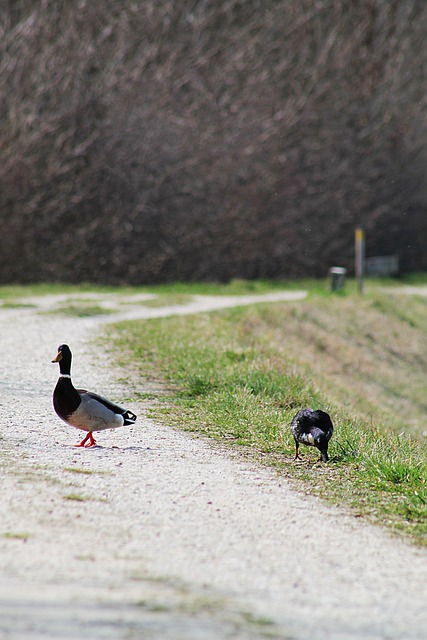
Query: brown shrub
pixel 161 140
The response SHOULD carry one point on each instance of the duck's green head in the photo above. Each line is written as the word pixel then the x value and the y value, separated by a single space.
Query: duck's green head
pixel 63 355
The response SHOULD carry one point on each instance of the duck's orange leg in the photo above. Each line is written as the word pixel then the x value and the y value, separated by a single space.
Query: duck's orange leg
pixel 92 441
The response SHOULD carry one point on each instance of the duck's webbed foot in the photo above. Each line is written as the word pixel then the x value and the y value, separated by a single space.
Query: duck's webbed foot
pixel 91 443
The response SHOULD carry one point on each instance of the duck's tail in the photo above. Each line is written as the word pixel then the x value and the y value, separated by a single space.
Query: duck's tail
pixel 129 417
pixel 321 442
pixel 318 437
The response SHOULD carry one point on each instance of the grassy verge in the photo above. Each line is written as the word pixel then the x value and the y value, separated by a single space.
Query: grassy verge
pixel 234 287
pixel 239 376
pixel 181 290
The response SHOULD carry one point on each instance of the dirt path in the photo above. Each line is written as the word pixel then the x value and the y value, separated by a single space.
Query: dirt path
pixel 155 534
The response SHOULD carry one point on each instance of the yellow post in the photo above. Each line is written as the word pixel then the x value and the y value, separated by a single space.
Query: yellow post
pixel 360 258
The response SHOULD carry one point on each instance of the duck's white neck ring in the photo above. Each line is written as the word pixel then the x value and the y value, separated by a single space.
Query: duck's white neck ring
pixel 65 375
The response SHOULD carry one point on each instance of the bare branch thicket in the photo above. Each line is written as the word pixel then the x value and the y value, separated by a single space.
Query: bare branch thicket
pixel 150 141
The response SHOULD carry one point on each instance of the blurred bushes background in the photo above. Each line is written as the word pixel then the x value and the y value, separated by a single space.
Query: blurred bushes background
pixel 156 140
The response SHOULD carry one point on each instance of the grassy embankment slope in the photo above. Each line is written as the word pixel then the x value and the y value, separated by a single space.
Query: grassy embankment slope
pixel 239 376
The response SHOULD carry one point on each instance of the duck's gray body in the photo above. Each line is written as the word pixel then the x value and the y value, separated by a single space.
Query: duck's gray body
pixel 83 409
pixel 313 428
pixel 93 413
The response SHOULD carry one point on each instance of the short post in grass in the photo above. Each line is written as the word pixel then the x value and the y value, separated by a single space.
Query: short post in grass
pixel 360 258
pixel 337 278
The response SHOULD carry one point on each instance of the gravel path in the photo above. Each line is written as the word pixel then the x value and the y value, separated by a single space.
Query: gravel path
pixel 156 534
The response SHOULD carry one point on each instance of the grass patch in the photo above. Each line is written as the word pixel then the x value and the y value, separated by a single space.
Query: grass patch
pixel 233 287
pixel 76 497
pixel 81 309
pixel 16 291
pixel 86 471
pixel 168 300
pixel 15 535
pixel 240 375
pixel 11 304
pixel 176 290
pixel 261 621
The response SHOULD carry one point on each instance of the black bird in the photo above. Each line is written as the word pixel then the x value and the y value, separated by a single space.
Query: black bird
pixel 83 409
pixel 314 428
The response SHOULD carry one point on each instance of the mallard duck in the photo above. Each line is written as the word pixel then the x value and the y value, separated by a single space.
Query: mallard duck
pixel 314 428
pixel 83 409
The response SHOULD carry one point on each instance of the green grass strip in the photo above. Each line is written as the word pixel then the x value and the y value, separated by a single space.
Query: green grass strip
pixel 228 375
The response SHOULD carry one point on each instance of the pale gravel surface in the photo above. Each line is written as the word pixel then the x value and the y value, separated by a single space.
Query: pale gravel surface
pixel 181 540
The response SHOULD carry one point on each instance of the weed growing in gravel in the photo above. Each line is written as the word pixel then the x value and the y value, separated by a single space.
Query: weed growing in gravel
pixel 17 305
pixel 86 471
pixel 15 535
pixel 77 497
pixel 240 375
